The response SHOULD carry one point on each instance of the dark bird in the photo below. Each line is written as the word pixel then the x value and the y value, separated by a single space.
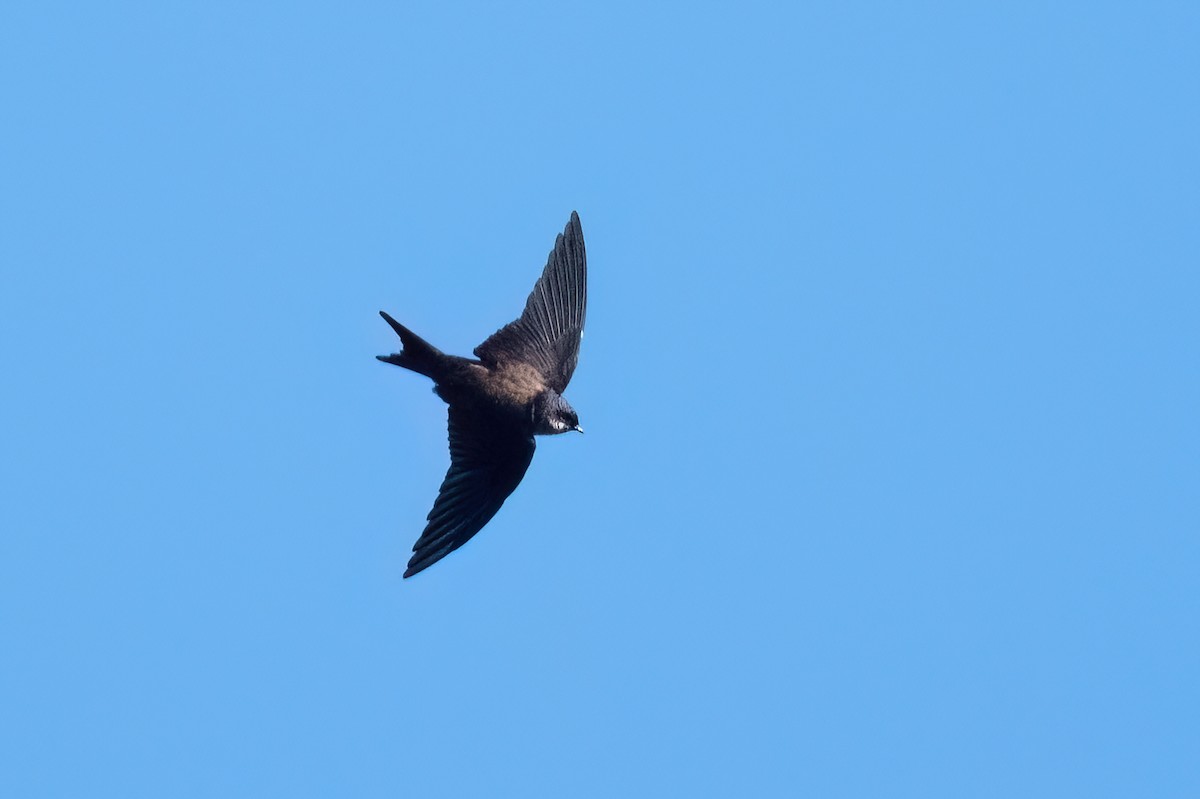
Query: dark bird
pixel 499 402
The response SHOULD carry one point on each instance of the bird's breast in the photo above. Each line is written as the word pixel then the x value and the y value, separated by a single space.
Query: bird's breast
pixel 512 383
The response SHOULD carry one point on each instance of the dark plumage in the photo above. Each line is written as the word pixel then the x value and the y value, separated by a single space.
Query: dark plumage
pixel 500 401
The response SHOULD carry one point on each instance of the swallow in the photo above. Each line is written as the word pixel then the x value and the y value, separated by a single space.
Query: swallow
pixel 511 391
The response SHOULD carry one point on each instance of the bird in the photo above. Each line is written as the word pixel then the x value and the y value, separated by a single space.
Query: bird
pixel 498 401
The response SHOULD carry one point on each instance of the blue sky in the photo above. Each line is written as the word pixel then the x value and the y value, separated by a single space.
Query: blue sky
pixel 890 382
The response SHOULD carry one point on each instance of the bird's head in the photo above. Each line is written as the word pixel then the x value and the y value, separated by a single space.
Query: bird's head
pixel 552 415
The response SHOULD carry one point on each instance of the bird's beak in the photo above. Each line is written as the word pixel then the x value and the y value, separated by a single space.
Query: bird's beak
pixel 577 429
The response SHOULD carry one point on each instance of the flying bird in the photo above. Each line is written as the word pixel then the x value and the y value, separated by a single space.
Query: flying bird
pixel 499 402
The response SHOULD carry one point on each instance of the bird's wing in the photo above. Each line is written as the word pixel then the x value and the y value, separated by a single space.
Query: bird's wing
pixel 487 463
pixel 548 333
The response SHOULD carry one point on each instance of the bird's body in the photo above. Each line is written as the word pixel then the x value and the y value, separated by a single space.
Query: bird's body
pixel 500 401
pixel 510 387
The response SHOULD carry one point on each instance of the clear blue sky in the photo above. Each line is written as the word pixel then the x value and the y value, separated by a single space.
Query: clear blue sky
pixel 891 384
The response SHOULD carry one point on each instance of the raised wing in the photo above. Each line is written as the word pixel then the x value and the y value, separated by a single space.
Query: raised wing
pixel 548 333
pixel 487 462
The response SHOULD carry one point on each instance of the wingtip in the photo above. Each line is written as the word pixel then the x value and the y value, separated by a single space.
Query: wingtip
pixel 572 235
pixel 416 568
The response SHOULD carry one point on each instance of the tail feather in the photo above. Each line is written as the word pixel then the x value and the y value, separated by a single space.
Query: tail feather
pixel 418 354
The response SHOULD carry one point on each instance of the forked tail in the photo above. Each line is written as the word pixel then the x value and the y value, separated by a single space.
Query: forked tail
pixel 418 354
